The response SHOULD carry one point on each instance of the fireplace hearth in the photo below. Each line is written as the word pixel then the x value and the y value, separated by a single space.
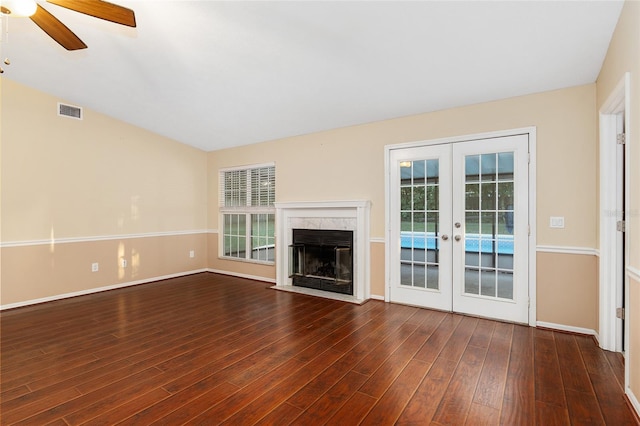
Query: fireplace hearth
pixel 322 259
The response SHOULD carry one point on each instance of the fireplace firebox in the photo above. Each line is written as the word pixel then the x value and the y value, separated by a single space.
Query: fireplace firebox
pixel 322 259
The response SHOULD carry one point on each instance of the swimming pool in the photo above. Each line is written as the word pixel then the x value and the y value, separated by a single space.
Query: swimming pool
pixel 479 243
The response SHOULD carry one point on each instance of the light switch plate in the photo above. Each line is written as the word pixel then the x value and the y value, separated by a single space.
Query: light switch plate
pixel 556 222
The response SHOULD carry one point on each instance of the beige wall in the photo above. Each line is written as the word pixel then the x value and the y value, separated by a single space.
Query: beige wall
pixel 578 300
pixel 97 176
pixel 43 271
pixel 566 125
pixel 348 163
pixel 75 180
pixel 624 56
pixel 377 274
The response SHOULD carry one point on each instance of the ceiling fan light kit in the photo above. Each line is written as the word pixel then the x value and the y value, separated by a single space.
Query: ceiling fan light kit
pixel 56 29
pixel 18 8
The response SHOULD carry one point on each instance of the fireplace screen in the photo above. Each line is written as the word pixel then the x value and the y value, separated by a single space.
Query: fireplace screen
pixel 322 259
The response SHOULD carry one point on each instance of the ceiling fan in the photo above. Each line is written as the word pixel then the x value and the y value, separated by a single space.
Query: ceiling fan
pixel 56 29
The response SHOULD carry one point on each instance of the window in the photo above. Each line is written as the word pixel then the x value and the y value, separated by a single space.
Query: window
pixel 248 220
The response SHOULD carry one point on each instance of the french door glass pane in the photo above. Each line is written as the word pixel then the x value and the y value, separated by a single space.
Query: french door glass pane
pixel 471 280
pixel 488 282
pixel 488 167
pixel 472 196
pixel 489 225
pixel 505 285
pixel 472 168
pixel 505 166
pixel 419 215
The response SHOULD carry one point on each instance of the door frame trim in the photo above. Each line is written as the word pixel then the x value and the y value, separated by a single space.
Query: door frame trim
pixel 610 333
pixel 531 133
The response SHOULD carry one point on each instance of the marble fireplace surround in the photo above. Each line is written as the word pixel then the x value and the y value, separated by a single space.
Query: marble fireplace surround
pixel 338 215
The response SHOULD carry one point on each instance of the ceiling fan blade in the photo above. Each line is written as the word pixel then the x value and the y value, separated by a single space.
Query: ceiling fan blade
pixel 57 30
pixel 100 9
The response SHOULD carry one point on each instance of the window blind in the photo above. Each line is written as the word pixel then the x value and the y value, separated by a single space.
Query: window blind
pixel 247 187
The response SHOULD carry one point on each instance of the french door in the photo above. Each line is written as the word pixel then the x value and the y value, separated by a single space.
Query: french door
pixel 459 227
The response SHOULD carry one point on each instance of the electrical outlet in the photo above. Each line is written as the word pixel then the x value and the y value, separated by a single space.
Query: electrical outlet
pixel 94 267
pixel 123 263
pixel 192 254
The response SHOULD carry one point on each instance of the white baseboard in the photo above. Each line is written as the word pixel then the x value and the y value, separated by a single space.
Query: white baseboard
pixel 376 297
pixel 570 328
pixel 97 290
pixel 239 275
pixel 634 401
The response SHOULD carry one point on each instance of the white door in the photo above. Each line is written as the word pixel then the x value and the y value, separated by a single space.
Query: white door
pixel 421 250
pixel 459 227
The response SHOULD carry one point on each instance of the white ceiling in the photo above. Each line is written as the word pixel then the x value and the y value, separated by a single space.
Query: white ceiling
pixel 221 74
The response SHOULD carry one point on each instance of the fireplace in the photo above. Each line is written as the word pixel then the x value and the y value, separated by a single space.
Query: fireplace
pixel 323 249
pixel 322 259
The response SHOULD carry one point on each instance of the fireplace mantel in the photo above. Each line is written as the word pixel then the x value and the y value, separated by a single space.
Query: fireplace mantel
pixel 350 215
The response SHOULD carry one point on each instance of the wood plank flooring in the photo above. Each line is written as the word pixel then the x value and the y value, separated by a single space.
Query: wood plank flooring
pixel 210 349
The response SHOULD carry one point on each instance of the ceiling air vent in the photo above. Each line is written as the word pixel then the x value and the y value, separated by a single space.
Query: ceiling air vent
pixel 69 111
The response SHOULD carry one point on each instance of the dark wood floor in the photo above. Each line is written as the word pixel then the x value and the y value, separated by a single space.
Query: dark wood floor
pixel 210 349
